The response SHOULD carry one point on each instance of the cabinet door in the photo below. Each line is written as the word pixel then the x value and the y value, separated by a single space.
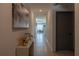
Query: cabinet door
pixel 22 52
pixel 31 50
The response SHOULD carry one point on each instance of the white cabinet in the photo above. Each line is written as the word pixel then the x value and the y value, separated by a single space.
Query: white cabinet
pixel 24 50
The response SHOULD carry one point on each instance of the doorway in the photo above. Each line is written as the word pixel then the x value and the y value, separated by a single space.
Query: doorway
pixel 65 31
pixel 40 28
pixel 40 35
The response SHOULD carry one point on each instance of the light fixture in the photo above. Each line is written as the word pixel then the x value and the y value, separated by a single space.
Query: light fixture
pixel 40 10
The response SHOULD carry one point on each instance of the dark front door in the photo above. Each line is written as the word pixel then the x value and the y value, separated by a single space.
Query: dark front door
pixel 64 31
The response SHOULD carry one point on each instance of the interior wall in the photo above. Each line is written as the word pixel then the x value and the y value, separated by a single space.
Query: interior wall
pixel 7 37
pixel 64 7
pixel 50 31
pixel 77 29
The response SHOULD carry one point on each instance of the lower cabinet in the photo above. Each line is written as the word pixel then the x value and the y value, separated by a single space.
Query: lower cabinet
pixel 26 50
pixel 22 52
pixel 31 50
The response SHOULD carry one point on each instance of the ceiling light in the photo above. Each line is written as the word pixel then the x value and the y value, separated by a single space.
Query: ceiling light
pixel 40 10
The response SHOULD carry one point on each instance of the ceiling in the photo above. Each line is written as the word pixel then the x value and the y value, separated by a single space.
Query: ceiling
pixel 51 5
pixel 48 4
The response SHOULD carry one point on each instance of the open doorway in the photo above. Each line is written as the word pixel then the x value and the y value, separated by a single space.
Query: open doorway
pixel 40 35
pixel 40 27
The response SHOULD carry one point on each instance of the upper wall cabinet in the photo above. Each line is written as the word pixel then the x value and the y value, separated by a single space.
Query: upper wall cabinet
pixel 20 16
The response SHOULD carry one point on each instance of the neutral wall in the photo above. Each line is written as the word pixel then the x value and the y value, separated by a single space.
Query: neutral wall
pixel 50 31
pixel 77 29
pixel 64 7
pixel 7 37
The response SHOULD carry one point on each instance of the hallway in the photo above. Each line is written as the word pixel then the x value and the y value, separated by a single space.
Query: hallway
pixel 40 47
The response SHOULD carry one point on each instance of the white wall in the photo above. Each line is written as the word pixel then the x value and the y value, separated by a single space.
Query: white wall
pixel 7 37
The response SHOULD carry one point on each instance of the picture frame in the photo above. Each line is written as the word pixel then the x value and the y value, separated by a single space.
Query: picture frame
pixel 20 16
